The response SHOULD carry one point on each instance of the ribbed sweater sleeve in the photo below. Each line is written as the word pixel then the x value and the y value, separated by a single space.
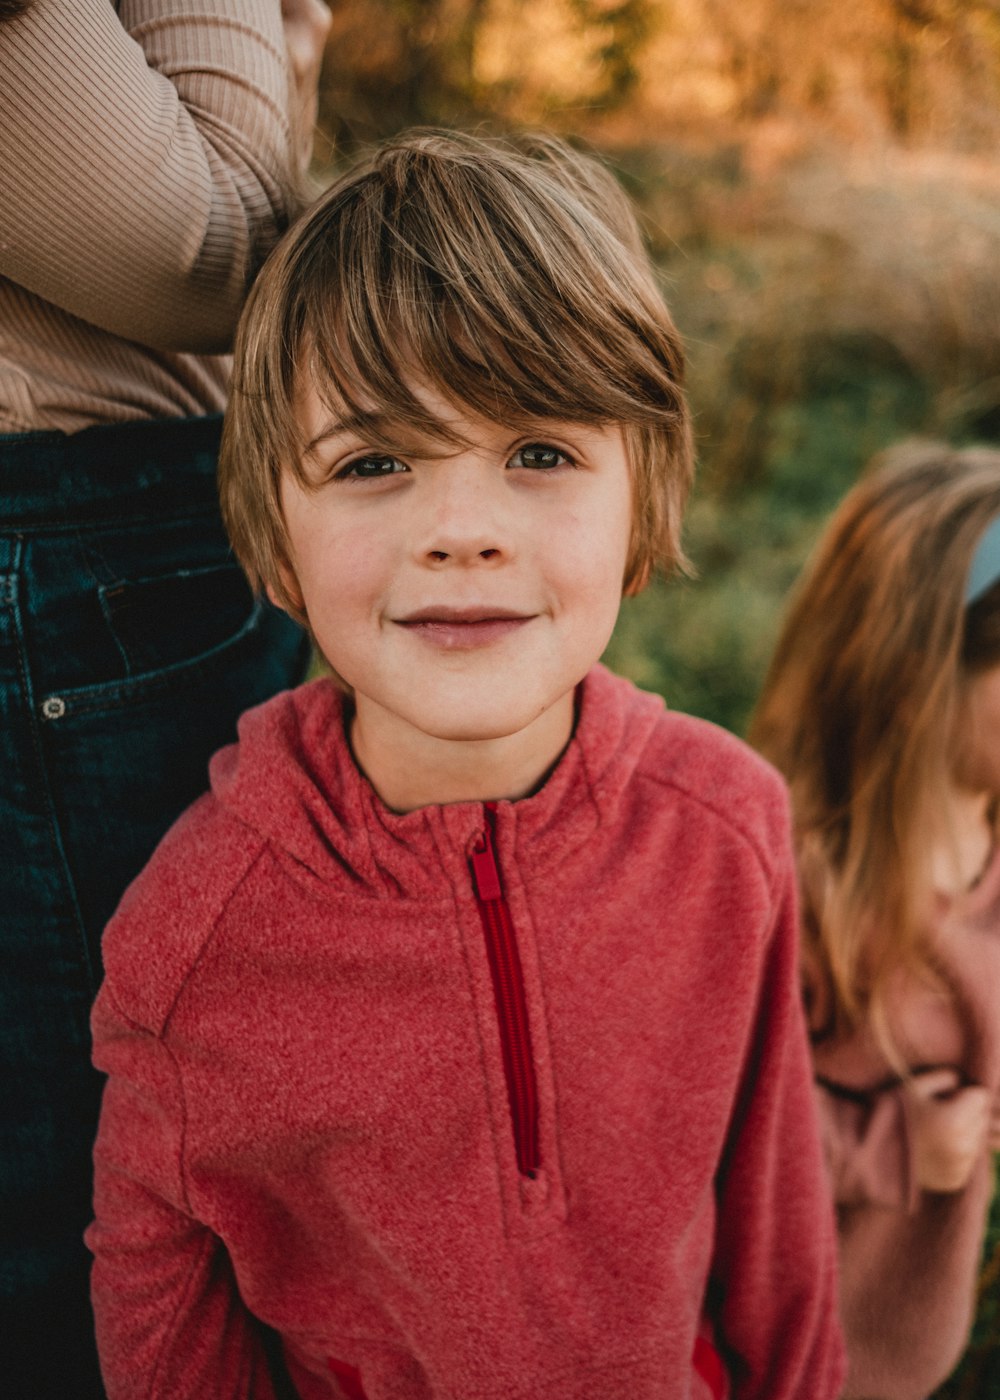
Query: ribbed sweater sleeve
pixel 144 164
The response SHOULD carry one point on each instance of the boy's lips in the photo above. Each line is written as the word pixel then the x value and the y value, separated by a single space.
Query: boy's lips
pixel 453 629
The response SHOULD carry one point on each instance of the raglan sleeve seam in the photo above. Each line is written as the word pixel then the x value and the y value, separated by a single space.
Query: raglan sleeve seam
pixel 776 873
pixel 158 1038
pixel 159 1033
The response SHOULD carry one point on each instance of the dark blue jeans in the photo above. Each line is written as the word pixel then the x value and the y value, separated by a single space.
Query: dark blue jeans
pixel 129 644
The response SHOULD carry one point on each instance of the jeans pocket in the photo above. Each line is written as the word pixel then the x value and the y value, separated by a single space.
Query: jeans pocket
pixel 265 653
pixel 169 619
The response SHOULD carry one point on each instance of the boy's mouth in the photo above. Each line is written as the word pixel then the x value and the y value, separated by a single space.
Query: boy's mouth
pixel 454 629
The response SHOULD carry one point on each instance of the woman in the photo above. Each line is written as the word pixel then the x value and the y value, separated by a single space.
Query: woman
pixel 150 157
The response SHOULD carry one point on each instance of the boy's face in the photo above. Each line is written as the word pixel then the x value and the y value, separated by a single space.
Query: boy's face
pixel 461 592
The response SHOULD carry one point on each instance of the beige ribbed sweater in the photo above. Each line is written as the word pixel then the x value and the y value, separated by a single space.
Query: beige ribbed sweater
pixel 144 170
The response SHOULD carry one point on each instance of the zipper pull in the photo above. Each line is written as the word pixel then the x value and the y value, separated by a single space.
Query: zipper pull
pixel 484 867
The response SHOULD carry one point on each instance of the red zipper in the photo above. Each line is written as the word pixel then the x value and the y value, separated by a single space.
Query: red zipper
pixel 508 993
pixel 349 1378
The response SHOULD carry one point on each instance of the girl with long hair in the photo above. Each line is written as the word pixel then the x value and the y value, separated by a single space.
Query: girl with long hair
pixel 882 709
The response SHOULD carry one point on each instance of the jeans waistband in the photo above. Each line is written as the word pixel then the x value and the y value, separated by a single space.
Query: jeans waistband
pixel 53 480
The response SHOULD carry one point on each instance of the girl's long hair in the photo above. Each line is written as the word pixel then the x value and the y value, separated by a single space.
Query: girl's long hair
pixel 861 707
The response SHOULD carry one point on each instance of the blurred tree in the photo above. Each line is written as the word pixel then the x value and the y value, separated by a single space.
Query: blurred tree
pixel 621 29
pixel 929 36
pixel 908 68
pixel 397 63
pixel 917 71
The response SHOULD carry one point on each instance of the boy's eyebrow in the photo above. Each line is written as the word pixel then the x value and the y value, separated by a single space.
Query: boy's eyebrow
pixel 361 423
pixel 385 431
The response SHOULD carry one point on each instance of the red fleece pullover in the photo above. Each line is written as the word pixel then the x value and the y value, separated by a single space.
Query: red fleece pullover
pixel 465 1103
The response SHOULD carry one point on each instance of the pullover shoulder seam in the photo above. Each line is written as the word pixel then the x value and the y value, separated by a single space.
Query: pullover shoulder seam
pixel 768 865
pixel 159 1025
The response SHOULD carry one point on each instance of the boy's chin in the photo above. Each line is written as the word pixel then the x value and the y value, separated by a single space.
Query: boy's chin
pixel 474 728
pixel 487 720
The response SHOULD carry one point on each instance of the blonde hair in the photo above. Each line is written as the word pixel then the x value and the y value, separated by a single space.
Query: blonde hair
pixel 861 705
pixel 508 275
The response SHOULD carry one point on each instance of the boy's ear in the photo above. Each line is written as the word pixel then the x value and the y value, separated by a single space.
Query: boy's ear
pixel 636 585
pixel 293 601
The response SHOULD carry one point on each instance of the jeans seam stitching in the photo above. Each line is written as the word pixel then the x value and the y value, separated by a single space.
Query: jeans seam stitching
pixel 45 782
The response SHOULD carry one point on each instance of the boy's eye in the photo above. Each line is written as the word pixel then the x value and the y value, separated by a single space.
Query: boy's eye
pixel 539 456
pixel 368 467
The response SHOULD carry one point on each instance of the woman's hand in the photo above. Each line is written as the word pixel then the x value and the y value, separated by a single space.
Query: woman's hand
pixel 307 25
pixel 951 1124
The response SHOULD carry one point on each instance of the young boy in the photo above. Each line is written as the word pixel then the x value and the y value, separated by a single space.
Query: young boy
pixel 454 1039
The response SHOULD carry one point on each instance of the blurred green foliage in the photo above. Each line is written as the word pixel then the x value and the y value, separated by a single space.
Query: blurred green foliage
pixel 704 644
pixel 802 367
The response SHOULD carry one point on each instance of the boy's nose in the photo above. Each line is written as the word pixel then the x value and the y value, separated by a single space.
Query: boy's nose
pixel 465 525
pixel 440 556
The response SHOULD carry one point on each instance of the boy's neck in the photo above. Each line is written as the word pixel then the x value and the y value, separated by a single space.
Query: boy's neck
pixel 410 769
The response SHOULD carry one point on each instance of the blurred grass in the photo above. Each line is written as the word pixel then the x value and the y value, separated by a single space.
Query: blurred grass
pixel 827 313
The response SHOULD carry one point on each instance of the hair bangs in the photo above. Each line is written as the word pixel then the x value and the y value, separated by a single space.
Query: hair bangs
pixel 506 309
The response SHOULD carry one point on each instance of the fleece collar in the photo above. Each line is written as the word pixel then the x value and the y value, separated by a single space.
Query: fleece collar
pixel 293 780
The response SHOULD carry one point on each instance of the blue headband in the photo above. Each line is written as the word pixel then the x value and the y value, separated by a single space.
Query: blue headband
pixel 984 570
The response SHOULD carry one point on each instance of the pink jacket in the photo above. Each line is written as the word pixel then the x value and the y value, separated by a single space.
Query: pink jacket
pixel 465 1103
pixel 910 1258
